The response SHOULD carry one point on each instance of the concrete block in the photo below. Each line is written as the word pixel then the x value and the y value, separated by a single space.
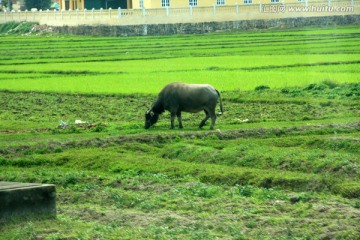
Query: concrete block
pixel 26 199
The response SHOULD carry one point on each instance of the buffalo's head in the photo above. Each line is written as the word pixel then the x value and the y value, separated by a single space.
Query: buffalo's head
pixel 150 118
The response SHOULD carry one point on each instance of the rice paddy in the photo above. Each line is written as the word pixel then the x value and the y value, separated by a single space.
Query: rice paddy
pixel 228 61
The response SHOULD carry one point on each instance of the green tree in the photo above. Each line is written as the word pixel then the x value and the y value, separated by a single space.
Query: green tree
pixel 39 4
pixel 6 4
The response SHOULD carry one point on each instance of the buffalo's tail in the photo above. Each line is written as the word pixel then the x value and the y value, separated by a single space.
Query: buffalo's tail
pixel 221 106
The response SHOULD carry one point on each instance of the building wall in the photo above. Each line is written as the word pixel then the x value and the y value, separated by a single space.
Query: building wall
pixel 205 27
pixel 202 3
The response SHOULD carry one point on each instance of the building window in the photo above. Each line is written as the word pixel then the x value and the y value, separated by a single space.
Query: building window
pixel 274 1
pixel 220 2
pixel 247 1
pixel 141 3
pixel 193 3
pixel 165 3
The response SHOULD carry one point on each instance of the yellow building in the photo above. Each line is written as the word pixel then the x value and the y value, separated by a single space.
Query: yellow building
pixel 136 4
pixel 184 3
pixel 200 3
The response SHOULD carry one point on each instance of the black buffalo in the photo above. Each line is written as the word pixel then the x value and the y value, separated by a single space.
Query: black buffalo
pixel 182 97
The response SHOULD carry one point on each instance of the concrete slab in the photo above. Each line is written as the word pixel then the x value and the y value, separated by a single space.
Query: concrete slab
pixel 21 199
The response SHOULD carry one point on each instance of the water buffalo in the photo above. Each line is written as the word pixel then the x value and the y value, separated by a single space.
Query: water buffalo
pixel 181 97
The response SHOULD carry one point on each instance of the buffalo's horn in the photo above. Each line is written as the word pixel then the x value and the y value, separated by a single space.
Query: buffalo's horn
pixel 150 112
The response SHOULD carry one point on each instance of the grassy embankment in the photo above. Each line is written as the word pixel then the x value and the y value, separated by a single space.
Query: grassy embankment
pixel 284 163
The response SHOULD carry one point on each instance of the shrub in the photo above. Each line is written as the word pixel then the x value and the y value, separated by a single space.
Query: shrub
pixel 246 191
pixel 261 88
pixel 316 87
pixel 293 92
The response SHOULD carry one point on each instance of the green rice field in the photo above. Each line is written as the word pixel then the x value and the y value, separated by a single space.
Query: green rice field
pixel 283 162
pixel 228 61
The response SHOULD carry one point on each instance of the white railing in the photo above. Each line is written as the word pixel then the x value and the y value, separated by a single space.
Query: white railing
pixel 75 17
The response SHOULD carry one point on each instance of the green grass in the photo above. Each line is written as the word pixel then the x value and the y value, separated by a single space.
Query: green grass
pixel 283 162
pixel 228 61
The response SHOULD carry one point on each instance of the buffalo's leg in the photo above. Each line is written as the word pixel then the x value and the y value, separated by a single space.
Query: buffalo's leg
pixel 213 119
pixel 173 114
pixel 202 123
pixel 178 114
